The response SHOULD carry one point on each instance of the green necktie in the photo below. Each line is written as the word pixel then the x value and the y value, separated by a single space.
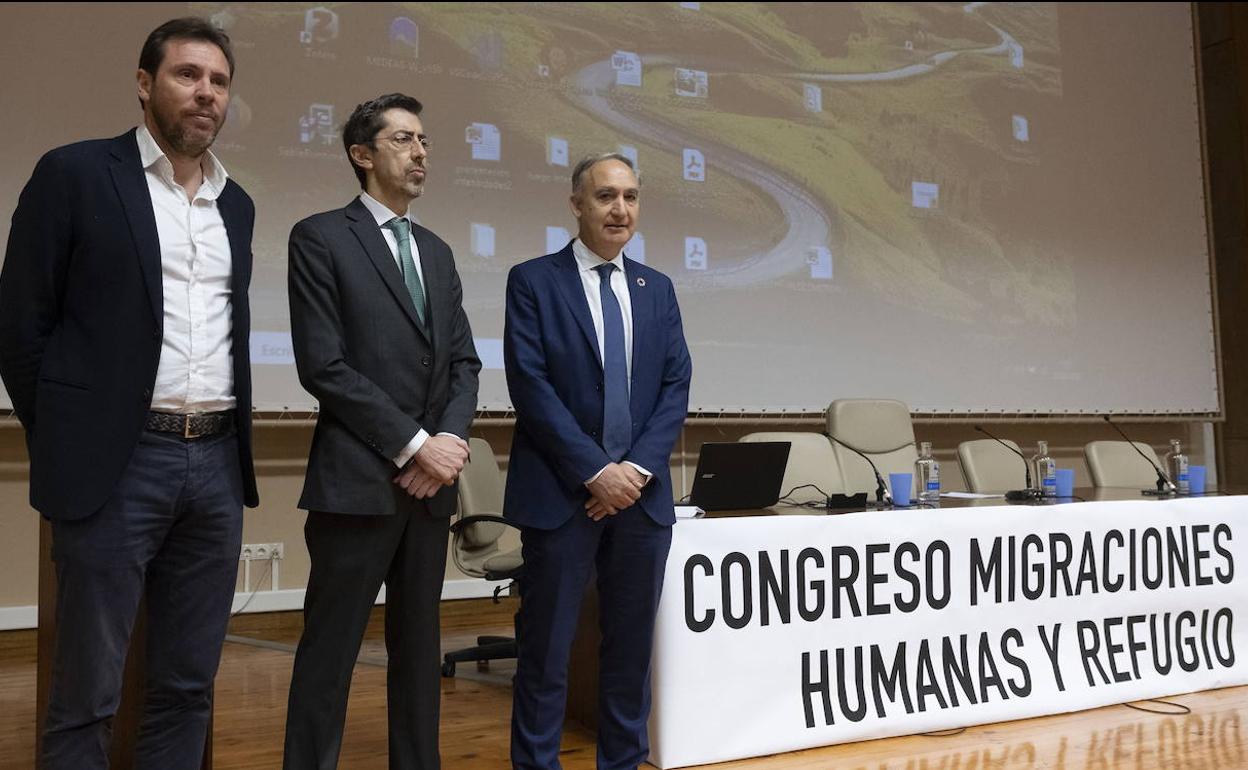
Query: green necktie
pixel 402 231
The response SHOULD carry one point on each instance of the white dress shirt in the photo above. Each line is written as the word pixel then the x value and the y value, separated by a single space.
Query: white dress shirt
pixel 586 261
pixel 196 369
pixel 383 215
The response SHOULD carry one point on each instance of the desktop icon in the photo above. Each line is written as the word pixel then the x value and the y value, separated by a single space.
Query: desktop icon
pixel 691 82
pixel 320 25
pixel 635 249
pixel 317 126
pixel 481 237
pixel 819 258
pixel 404 36
pixel 556 239
pixel 556 151
pixel 486 141
pixel 1020 128
pixel 695 254
pixel 812 97
pixel 924 195
pixel 627 66
pixel 693 165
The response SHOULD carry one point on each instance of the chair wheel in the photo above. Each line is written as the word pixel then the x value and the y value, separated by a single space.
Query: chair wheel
pixel 448 669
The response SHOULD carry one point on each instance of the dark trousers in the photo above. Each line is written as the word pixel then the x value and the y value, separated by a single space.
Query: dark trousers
pixel 351 557
pixel 172 529
pixel 629 552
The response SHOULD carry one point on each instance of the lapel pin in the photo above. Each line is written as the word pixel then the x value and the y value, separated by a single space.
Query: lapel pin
pixel 641 281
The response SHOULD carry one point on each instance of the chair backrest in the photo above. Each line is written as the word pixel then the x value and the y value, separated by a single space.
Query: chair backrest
pixel 811 461
pixel 990 468
pixel 1116 464
pixel 879 428
pixel 481 492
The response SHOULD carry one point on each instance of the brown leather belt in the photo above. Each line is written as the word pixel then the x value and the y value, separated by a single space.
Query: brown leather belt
pixel 190 425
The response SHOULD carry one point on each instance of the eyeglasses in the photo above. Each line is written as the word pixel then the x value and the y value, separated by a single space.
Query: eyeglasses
pixel 402 140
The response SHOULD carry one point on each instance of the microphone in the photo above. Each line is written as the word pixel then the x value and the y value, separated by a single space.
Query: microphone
pixel 882 497
pixel 1164 485
pixel 1017 495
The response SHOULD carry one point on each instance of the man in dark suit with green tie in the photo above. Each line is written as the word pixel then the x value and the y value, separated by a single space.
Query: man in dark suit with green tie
pixel 381 340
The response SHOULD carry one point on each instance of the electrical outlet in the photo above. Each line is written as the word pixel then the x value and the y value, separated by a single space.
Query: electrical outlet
pixel 262 551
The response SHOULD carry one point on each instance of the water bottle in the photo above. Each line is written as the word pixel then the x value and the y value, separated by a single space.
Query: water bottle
pixel 927 473
pixel 1044 470
pixel 1176 466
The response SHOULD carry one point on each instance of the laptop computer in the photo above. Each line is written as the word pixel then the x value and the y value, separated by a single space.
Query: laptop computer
pixel 739 475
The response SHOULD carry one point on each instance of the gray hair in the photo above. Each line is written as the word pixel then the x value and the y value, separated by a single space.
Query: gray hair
pixel 589 161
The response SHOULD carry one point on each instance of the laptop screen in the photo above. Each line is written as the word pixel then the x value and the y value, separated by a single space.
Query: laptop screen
pixel 739 475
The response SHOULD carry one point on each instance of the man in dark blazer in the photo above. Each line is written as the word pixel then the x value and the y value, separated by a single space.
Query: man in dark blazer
pixel 136 400
pixel 599 373
pixel 381 340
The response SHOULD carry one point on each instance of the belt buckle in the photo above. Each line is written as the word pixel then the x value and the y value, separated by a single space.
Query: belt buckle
pixel 186 428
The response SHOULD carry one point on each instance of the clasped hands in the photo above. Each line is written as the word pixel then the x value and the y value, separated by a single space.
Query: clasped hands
pixel 435 465
pixel 616 488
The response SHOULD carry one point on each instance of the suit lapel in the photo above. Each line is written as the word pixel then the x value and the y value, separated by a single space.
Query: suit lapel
pixel 642 302
pixel 369 235
pixel 568 279
pixel 131 184
pixel 240 245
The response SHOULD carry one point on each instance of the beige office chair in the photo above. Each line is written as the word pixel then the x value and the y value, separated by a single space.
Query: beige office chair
pixel 811 461
pixel 990 468
pixel 475 545
pixel 880 429
pixel 1116 464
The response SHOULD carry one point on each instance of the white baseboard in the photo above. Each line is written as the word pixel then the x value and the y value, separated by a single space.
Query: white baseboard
pixel 15 618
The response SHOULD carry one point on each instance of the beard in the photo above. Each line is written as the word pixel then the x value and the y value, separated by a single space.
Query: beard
pixel 185 137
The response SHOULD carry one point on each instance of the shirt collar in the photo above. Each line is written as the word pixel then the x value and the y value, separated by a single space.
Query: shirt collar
pixel 588 260
pixel 379 210
pixel 150 155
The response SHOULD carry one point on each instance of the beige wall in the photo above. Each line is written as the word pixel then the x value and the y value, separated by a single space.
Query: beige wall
pixel 281 447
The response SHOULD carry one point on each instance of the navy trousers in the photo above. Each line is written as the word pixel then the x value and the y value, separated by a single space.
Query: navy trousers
pixel 628 551
pixel 172 529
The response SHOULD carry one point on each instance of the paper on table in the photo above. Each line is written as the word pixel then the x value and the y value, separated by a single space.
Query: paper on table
pixel 969 496
pixel 688 511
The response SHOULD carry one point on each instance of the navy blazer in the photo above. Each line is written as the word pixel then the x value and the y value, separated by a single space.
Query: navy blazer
pixel 554 374
pixel 81 320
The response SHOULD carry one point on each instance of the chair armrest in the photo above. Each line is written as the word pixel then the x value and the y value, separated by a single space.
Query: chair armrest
pixel 484 517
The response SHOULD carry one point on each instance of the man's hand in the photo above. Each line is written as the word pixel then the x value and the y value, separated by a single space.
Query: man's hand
pixel 442 457
pixel 616 488
pixel 417 482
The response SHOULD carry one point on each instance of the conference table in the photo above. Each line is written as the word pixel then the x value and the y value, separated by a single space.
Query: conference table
pixel 789 628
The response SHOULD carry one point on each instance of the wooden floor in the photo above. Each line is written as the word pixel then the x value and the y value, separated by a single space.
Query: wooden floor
pixel 476 706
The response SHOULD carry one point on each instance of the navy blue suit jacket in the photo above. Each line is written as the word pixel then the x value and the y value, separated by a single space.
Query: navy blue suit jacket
pixel 554 374
pixel 81 320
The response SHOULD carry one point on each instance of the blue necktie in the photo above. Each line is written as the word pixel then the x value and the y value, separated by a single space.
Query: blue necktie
pixel 617 421
pixel 401 229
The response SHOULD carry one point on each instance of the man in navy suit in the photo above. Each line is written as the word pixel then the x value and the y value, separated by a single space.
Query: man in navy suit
pixel 599 376
pixel 124 347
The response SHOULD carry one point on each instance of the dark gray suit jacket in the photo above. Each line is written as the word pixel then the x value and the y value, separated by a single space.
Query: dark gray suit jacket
pixel 361 352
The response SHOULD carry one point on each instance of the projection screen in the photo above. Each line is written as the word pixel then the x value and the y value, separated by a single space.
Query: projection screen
pixel 983 208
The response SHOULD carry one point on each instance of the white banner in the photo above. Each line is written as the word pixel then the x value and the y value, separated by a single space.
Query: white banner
pixel 780 633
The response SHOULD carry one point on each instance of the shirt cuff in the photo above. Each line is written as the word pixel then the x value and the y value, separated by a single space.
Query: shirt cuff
pixel 413 446
pixel 594 478
pixel 641 470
